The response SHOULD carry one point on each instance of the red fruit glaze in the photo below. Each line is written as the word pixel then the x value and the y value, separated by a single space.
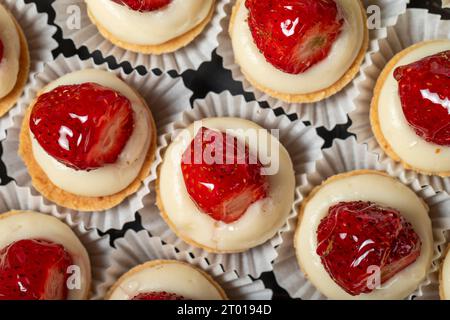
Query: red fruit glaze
pixel 356 236
pixel 1 51
pixel 294 35
pixel 34 270
pixel 144 5
pixel 221 176
pixel 424 90
pixel 157 296
pixel 83 126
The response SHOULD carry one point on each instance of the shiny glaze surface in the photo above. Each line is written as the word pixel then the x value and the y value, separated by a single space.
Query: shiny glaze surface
pixel 424 90
pixel 294 35
pixel 357 239
pixel 84 126
pixel 34 270
pixel 144 5
pixel 221 176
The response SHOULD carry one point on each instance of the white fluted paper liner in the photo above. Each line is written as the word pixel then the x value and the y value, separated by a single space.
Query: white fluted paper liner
pixel 416 25
pixel 136 248
pixel 13 197
pixel 348 155
pixel 303 145
pixel 166 97
pixel 189 57
pixel 331 111
pixel 39 37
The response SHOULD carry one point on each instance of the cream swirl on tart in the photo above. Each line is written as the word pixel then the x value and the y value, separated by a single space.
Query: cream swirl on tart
pixel 233 201
pixel 410 109
pixel 291 49
pixel 166 280
pixel 364 235
pixel 39 254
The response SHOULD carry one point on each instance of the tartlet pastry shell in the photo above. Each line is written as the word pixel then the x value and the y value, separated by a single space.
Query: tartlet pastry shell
pixel 314 192
pixel 154 263
pixel 375 121
pixel 6 103
pixel 318 95
pixel 166 47
pixel 15 212
pixel 69 200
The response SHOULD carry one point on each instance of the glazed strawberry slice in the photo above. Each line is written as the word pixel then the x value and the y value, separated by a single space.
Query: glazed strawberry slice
pixel 34 270
pixel 357 236
pixel 144 5
pixel 221 176
pixel 424 90
pixel 160 295
pixel 294 35
pixel 84 126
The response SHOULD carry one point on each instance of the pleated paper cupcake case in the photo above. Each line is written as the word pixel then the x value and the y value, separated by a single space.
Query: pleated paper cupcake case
pixel 416 25
pixel 303 145
pixel 13 197
pixel 189 57
pixel 136 248
pixel 167 98
pixel 333 110
pixel 39 35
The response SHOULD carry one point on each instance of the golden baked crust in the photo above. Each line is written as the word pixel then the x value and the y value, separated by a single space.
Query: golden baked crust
pixel 167 47
pixel 375 121
pixel 17 212
pixel 7 102
pixel 153 263
pixel 314 192
pixel 318 95
pixel 69 200
pixel 441 287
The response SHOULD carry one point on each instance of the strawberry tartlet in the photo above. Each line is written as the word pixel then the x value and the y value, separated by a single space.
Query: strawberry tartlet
pixel 150 26
pixel 410 110
pixel 364 235
pixel 88 140
pixel 14 60
pixel 42 259
pixel 225 185
pixel 444 279
pixel 166 280
pixel 299 51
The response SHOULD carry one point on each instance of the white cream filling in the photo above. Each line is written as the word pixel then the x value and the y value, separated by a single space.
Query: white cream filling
pixel 445 281
pixel 150 28
pixel 261 220
pixel 319 77
pixel 34 225
pixel 411 148
pixel 9 66
pixel 172 277
pixel 385 191
pixel 111 178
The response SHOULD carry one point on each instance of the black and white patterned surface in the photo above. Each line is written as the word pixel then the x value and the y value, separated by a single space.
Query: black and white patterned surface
pixel 210 77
